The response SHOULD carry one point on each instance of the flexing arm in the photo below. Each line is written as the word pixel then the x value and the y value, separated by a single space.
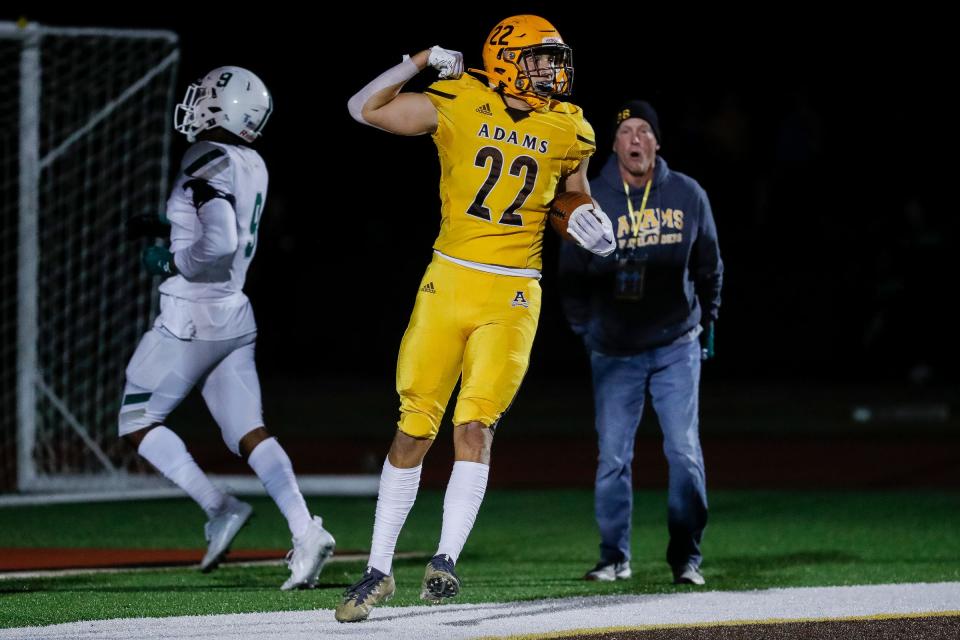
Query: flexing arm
pixel 380 104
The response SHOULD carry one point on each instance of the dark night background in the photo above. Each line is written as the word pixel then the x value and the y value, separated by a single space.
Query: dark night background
pixel 823 142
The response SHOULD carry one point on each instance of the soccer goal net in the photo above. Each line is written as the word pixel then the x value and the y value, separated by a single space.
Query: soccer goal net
pixel 85 125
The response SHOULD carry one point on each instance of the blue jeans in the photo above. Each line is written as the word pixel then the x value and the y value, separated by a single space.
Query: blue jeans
pixel 672 376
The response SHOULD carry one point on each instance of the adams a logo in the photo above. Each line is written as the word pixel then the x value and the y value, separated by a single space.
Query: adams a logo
pixel 520 301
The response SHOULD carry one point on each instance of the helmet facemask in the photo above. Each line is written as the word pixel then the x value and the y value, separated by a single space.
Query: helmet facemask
pixel 545 70
pixel 185 115
pixel 541 71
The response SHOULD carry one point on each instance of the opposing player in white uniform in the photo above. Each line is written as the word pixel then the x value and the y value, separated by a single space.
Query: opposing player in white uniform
pixel 206 333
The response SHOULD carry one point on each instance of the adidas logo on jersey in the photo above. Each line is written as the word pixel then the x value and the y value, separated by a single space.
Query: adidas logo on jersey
pixel 428 288
pixel 520 301
pixel 484 110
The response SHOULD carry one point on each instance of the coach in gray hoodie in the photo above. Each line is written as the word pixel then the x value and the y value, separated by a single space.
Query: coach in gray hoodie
pixel 646 314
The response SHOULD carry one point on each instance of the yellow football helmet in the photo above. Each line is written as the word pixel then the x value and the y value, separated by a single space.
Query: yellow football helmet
pixel 525 57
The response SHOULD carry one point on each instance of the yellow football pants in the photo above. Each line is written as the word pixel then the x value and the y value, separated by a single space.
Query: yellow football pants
pixel 468 322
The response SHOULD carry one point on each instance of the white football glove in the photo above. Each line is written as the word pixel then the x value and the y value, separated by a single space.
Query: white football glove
pixel 448 63
pixel 592 230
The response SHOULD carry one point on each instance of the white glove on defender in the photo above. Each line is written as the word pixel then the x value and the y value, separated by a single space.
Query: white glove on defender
pixel 592 230
pixel 448 63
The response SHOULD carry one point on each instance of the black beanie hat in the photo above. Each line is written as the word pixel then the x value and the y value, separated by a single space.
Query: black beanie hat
pixel 638 109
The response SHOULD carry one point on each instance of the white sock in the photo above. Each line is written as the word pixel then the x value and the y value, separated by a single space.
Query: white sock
pixel 272 465
pixel 165 450
pixel 398 492
pixel 468 483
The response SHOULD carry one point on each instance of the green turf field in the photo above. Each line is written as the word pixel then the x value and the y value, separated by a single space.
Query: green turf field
pixel 526 545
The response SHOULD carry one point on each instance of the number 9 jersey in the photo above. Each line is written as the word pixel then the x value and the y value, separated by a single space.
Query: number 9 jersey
pixel 499 171
pixel 211 304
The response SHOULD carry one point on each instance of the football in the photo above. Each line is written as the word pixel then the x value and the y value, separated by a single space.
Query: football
pixel 561 208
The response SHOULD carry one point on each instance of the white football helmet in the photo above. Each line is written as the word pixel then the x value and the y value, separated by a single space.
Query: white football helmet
pixel 228 97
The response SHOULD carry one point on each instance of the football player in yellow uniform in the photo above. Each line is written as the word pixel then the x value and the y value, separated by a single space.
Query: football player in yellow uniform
pixel 506 148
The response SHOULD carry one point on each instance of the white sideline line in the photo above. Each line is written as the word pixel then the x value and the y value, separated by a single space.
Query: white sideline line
pixel 460 622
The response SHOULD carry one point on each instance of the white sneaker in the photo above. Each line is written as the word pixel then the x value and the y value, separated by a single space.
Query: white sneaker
pixel 688 574
pixel 310 552
pixel 608 572
pixel 221 529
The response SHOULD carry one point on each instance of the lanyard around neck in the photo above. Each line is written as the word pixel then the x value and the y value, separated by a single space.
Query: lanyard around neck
pixel 634 221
